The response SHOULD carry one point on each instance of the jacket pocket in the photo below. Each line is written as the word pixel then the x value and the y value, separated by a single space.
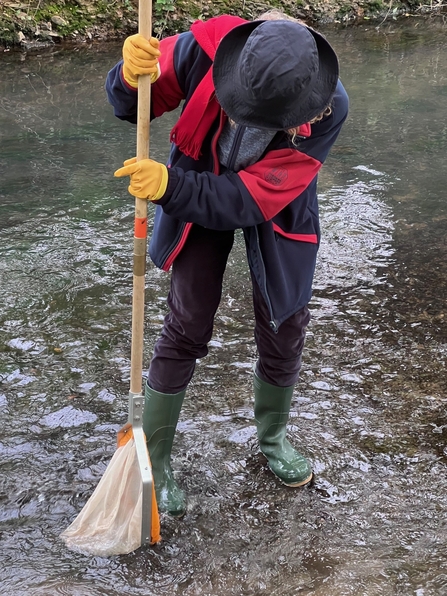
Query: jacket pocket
pixel 312 238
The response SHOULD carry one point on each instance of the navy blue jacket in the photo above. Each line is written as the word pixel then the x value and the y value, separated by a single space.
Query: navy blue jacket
pixel 274 200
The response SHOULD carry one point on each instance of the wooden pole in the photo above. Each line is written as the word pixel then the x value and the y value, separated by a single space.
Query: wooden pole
pixel 140 234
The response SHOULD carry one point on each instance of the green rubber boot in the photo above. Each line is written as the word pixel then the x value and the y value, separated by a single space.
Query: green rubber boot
pixel 160 417
pixel 272 407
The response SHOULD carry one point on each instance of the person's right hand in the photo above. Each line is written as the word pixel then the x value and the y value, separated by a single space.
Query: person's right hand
pixel 140 57
pixel 148 178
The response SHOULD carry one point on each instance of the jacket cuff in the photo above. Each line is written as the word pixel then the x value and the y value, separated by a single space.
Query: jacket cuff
pixel 126 84
pixel 170 188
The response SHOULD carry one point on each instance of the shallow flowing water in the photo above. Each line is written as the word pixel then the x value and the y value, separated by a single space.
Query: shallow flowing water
pixel 369 410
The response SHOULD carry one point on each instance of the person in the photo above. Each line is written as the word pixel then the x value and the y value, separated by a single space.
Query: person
pixel 263 106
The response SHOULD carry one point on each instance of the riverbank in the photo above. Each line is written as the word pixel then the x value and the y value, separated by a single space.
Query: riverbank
pixel 38 23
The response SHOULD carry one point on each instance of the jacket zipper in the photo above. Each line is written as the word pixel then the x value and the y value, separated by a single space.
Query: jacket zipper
pixel 236 145
pixel 231 161
pixel 272 321
pixel 216 165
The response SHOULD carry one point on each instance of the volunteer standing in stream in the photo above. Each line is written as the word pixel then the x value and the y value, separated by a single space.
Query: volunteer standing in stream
pixel 263 105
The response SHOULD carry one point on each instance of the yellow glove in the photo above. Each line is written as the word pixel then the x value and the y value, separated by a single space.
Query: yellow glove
pixel 148 178
pixel 140 57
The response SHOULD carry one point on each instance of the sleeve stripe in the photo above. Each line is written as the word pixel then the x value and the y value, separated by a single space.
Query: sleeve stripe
pixel 166 92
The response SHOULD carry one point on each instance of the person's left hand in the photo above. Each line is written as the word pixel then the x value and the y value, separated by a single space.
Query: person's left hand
pixel 140 57
pixel 148 178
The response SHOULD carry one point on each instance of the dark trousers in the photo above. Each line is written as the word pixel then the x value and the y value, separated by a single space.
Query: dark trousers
pixel 196 289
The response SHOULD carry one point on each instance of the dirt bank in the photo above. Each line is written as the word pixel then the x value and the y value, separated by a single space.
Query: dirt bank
pixel 36 23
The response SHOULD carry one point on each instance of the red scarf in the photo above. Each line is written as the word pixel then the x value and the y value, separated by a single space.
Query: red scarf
pixel 202 109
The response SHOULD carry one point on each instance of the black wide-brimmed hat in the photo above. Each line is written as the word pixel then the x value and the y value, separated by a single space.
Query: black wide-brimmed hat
pixel 274 74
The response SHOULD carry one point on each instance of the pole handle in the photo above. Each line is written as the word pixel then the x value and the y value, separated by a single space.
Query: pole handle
pixel 140 233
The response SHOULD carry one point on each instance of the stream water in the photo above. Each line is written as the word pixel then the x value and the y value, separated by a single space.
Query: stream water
pixel 369 410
